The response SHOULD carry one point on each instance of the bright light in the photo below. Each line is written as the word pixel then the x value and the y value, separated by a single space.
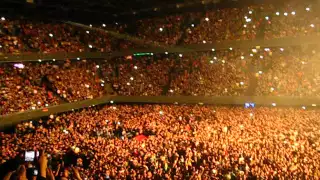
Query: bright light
pixel 103 25
pixel 19 65
pixel 293 13
pixel 245 25
pixel 90 46
pixel 312 25
pixel 87 32
pixel 286 14
pixel 33 107
pixel 204 41
pixel 114 107
pixel 245 17
pixel 230 48
pixel 53 59
pixel 102 85
pixel 250 12
pixel 51 35
pixel 151 54
pixel 314 105
pixel 135 67
pixel 213 50
pixel 3 18
pixel 86 85
pixel 281 49
pixel 111 102
pixel 47 105
pixel 271 89
pixel 261 57
pixel 39 103
pixel 192 25
pixel 211 62
pixel 131 78
pixel 160 29
pixel 128 84
pixel 78 58
pixel 260 72
pixel 251 55
pixel 242 57
pixel 274 104
pixel 242 83
pixel 223 61
pixel 248 20
pixel 215 58
pixel 207 19
pixel 97 66
pixel 267 18
pixel 90 25
pixel 39 60
pixel 171 90
pixel 303 107
pixel 277 13
pixel 251 114
pixel 307 9
pixel 161 112
pixel 166 52
pixel 254 50
pixel 266 49
pixel 180 55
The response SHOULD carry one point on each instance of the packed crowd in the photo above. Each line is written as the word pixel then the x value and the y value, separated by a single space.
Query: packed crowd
pixel 18 93
pixel 242 23
pixel 177 142
pixel 288 71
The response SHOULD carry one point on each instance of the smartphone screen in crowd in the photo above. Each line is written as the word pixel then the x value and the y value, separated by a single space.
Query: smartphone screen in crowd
pixel 29 156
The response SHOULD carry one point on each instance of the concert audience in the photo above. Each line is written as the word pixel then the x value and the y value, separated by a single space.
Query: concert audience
pixel 177 142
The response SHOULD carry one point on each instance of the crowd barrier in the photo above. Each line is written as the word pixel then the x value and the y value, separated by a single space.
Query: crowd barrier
pixel 12 119
pixel 281 42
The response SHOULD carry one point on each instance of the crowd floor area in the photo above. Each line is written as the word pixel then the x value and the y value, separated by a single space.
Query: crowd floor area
pixel 173 142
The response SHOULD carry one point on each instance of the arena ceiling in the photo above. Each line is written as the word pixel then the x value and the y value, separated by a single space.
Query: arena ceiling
pixel 110 10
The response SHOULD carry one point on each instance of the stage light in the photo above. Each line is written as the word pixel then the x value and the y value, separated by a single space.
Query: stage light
pixel 180 55
pixel 303 107
pixel 248 20
pixel 90 46
pixel 204 42
pixel 250 12
pixel 53 59
pixel 293 13
pixel 313 105
pixel 39 60
pixel 111 102
pixel 271 89
pixel 242 57
pixel 245 25
pixel 307 9
pixel 128 84
pixel 281 49
pixel 161 112
pixel 3 18
pixel 135 67
pixel 230 48
pixel 274 104
pixel 87 32
pixel 260 72
pixel 286 14
pixel 207 19
pixel 241 83
pixel 160 29
pixel 131 78
pixel 211 62
pixel 171 90
pixel 192 25
pixel 277 13
pixel 166 52
pixel 267 18
pixel 51 35
pixel 90 25
pixel 213 49
pixel 103 25
pixel 97 66
pixel 261 57
pixel 78 58
pixel 312 25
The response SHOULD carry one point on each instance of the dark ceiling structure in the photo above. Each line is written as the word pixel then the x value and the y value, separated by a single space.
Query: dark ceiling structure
pixel 110 11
